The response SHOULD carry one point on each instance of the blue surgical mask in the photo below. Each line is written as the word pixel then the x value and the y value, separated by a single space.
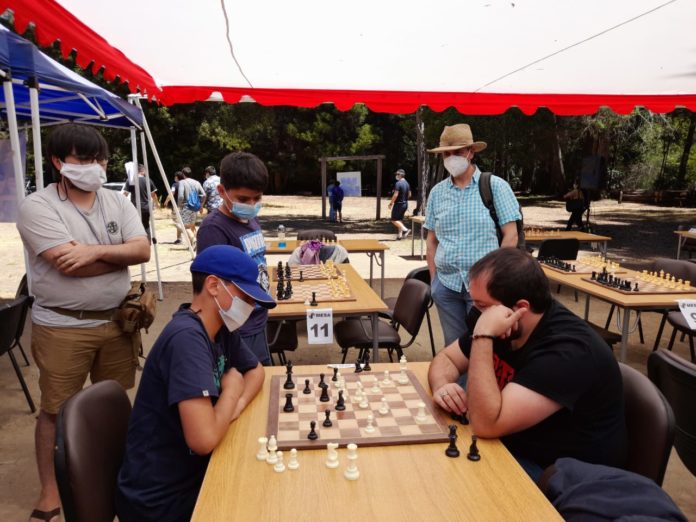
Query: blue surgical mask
pixel 245 211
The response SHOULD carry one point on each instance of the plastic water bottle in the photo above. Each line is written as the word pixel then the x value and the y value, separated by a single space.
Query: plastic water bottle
pixel 281 236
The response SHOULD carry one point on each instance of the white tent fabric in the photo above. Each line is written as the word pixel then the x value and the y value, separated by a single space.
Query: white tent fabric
pixel 569 55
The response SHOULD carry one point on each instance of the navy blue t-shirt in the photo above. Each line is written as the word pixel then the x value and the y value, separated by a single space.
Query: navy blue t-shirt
pixel 219 229
pixel 160 476
pixel 403 189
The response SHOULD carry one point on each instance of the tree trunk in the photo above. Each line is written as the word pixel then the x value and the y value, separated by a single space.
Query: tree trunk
pixel 422 158
pixel 681 175
pixel 557 171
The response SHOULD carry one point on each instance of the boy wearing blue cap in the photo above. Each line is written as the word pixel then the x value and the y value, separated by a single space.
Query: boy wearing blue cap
pixel 192 387
pixel 243 178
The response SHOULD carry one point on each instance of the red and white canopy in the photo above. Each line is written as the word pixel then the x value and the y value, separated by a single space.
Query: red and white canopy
pixel 571 56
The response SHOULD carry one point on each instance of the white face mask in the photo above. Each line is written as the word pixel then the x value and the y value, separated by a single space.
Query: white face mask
pixel 88 177
pixel 237 314
pixel 456 165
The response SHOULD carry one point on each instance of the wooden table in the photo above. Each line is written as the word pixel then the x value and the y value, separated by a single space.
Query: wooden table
pixel 682 236
pixel 627 302
pixel 367 302
pixel 407 482
pixel 570 234
pixel 371 247
pixel 417 220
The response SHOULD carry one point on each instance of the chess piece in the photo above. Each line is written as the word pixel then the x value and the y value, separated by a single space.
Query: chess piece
pixel 279 467
pixel 327 421
pixel 473 450
pixel 387 380
pixel 335 375
pixel 306 390
pixel 301 277
pixel 288 403
pixel 272 458
pixel 321 379
pixel 289 385
pixel 452 450
pixel 375 386
pixel 370 424
pixel 324 393
pixel 402 378
pixel 351 472
pixel 363 402
pixel 332 455
pixel 384 407
pixel 366 362
pixel 288 289
pixel 421 416
pixel 312 431
pixel 263 451
pixel 402 363
pixel 341 402
pixel 293 463
pixel 313 302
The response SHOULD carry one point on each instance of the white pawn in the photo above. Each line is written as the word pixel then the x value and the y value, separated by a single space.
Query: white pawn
pixel 403 378
pixel 332 456
pixel 279 467
pixel 364 402
pixel 384 408
pixel 421 415
pixel 387 380
pixel 375 386
pixel 293 463
pixel 402 363
pixel 272 458
pixel 263 452
pixel 351 472
pixel 370 427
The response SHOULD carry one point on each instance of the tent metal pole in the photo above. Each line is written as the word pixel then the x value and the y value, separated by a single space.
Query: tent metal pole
pixel 36 132
pixel 153 148
pixel 153 234
pixel 136 183
pixel 14 139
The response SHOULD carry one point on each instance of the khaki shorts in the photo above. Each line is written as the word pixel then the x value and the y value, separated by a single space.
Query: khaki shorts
pixel 65 356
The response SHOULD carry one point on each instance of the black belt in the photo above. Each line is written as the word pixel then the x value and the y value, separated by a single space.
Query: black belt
pixel 104 315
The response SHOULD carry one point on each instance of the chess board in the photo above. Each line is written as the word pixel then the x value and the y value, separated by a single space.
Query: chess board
pixel 309 272
pixel 644 287
pixel 302 291
pixel 585 267
pixel 396 427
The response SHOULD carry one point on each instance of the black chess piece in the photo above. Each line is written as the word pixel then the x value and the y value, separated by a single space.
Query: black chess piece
pixel 301 276
pixel 288 289
pixel 280 268
pixel 358 367
pixel 473 450
pixel 324 397
pixel 341 402
pixel 321 379
pixel 313 302
pixel 636 287
pixel 462 419
pixel 288 403
pixel 289 384
pixel 452 450
pixel 288 271
pixel 312 433
pixel 327 421
pixel 594 276
pixel 306 390
pixel 366 365
pixel 335 375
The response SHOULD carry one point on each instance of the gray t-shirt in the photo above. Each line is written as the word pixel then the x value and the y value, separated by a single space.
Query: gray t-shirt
pixel 186 185
pixel 46 222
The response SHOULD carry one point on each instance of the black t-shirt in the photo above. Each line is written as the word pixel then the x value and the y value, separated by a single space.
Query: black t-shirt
pixel 144 192
pixel 403 189
pixel 160 476
pixel 566 361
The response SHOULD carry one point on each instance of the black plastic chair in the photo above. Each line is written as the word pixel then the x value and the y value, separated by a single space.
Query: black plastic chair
pixel 566 249
pixel 11 314
pixel 281 337
pixel 421 274
pixel 23 290
pixel 676 378
pixel 316 233
pixel 90 442
pixel 409 311
pixel 649 425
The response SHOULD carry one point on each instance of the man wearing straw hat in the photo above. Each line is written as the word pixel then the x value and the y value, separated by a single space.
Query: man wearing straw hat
pixel 460 228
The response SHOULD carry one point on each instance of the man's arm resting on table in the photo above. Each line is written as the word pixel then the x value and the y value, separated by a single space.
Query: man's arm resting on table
pixel 493 413
pixel 253 380
pixel 78 260
pixel 509 231
pixel 431 243
pixel 204 425
pixel 443 374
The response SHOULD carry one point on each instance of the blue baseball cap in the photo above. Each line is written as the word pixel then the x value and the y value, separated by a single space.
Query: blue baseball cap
pixel 231 264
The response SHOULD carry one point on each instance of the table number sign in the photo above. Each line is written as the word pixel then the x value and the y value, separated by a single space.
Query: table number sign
pixel 688 310
pixel 320 326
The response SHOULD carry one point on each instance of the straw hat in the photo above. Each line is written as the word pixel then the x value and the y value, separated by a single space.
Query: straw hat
pixel 456 137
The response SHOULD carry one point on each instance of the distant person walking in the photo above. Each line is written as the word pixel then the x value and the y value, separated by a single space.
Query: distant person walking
pixel 329 193
pixel 190 199
pixel 337 196
pixel 148 192
pixel 212 198
pixel 575 204
pixel 399 204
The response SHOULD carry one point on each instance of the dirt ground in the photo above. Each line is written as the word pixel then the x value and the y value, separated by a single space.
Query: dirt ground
pixel 640 233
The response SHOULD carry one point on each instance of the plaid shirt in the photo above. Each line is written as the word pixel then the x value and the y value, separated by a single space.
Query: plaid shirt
pixel 463 226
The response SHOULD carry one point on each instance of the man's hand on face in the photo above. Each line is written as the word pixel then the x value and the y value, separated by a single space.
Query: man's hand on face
pixel 75 256
pixel 499 321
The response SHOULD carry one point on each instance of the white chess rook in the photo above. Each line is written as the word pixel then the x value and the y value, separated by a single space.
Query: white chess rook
pixel 351 472
pixel 263 452
pixel 332 455
pixel 370 420
pixel 421 416
pixel 293 462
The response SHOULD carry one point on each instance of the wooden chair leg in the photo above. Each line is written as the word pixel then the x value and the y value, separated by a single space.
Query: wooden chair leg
pixel 659 331
pixel 671 339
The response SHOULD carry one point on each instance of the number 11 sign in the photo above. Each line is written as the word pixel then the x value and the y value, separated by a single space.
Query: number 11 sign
pixel 320 326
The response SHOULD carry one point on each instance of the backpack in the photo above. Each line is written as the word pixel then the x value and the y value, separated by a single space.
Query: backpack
pixel 487 198
pixel 193 201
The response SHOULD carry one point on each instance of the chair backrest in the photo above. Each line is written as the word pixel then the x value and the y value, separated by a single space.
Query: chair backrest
pixel 315 233
pixel 689 243
pixel 676 378
pixel 90 442
pixel 422 274
pixel 12 315
pixel 411 305
pixel 649 425
pixel 681 269
pixel 559 248
pixel 23 290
